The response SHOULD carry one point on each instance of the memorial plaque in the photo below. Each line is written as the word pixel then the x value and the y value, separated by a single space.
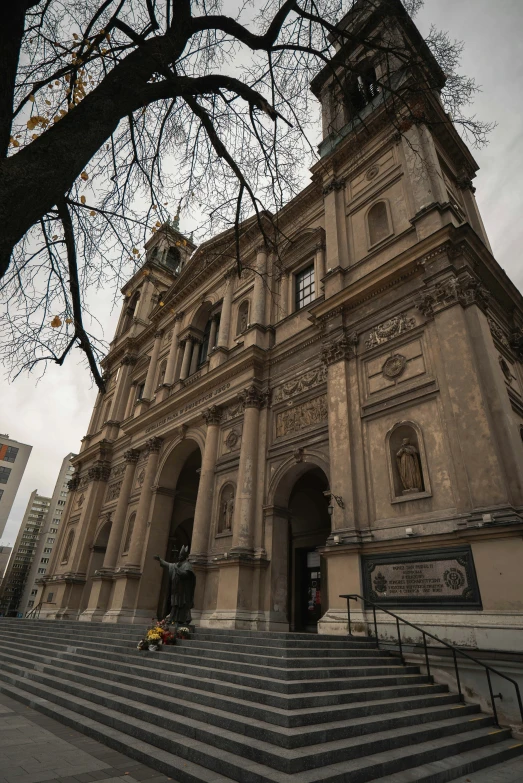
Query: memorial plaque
pixel 445 577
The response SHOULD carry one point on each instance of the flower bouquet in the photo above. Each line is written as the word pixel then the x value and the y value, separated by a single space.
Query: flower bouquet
pixel 183 632
pixel 155 636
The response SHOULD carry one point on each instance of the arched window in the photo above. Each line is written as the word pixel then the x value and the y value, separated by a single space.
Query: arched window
pixel 161 372
pixel 154 254
pixel 131 311
pixel 173 260
pixel 129 533
pixel 204 350
pixel 68 547
pixel 378 223
pixel 226 509
pixel 360 89
pixel 243 317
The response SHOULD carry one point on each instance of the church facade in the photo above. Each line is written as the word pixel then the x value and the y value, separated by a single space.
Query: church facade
pixel 344 417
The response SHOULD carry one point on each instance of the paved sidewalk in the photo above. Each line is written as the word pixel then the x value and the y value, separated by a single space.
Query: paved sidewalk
pixel 34 749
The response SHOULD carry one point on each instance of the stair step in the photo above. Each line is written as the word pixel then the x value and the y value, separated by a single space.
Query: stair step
pixel 290 738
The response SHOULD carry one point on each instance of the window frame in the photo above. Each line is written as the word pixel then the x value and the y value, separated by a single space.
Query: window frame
pixel 372 245
pixel 309 267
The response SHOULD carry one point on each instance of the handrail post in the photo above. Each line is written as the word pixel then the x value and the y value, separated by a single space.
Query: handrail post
pixel 375 626
pixel 426 653
pixel 399 639
pixel 348 615
pixel 492 699
pixel 457 672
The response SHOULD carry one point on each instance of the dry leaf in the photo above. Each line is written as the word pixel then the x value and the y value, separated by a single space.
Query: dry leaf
pixel 82 199
pixel 84 175
pixel 56 322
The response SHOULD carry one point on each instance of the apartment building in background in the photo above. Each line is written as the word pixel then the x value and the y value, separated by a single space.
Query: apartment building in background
pixel 13 461
pixel 23 554
pixel 5 552
pixel 47 535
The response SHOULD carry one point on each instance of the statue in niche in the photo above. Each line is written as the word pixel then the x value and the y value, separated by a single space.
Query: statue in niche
pixel 182 581
pixel 409 467
pixel 228 511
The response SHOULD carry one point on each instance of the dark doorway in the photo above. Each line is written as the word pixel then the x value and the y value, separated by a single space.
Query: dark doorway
pixel 309 529
pixel 180 531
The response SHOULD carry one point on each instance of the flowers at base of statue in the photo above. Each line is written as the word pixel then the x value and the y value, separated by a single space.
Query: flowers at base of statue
pixel 168 636
pixel 157 635
pixel 183 632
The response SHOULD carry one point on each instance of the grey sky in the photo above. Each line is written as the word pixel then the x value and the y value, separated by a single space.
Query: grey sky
pixel 52 415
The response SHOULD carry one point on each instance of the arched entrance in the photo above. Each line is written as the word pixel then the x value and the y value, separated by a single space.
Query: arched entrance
pixel 180 477
pixel 96 559
pixel 302 498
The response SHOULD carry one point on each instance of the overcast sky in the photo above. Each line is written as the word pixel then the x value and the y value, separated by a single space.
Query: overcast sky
pixel 53 414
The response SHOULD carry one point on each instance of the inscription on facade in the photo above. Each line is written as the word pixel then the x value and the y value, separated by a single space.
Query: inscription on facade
pixel 436 578
pixel 309 414
pixel 188 407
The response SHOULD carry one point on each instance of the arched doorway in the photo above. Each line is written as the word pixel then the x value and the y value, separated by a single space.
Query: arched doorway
pixel 303 499
pixel 182 469
pixel 96 559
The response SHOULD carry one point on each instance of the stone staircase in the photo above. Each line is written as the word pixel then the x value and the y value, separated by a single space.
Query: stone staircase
pixel 250 706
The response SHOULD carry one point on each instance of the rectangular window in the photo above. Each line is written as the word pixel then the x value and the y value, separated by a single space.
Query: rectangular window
pixel 44 560
pixel 50 596
pixel 48 550
pixel 30 604
pixel 4 474
pixel 8 453
pixel 50 540
pixel 304 287
pixel 34 592
pixel 41 570
pixel 139 391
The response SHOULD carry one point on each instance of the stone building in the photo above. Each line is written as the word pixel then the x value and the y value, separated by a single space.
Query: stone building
pixel 14 457
pixel 344 417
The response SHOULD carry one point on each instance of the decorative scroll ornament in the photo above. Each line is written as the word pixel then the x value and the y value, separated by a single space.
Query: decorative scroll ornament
pixel 303 382
pixel 308 414
pixel 497 332
pixel 233 411
pixel 336 350
pixel 213 415
pixel 394 366
pixel 387 330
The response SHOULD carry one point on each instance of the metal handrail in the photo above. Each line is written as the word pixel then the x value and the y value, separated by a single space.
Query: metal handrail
pixel 453 648
pixel 33 610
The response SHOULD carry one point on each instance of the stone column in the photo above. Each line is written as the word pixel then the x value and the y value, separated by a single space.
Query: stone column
pixel 151 370
pixel 334 356
pixel 115 536
pixel 319 267
pixel 243 521
pixel 121 394
pixel 187 349
pixel 195 356
pixel 284 295
pixel 203 510
pixel 212 335
pixel 258 305
pixel 130 400
pixel 225 321
pixel 173 352
pixel 134 559
pixel 336 224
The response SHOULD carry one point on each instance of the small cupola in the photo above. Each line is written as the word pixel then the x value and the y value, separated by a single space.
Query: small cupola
pixel 169 248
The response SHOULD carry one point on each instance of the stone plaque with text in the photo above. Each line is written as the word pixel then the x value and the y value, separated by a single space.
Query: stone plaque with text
pixel 444 577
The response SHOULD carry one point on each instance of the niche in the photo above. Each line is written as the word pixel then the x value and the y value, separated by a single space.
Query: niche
pixel 226 510
pixel 243 317
pixel 407 462
pixel 129 534
pixel 378 223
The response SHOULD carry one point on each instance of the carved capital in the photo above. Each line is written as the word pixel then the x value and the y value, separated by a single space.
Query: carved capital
pixel 334 184
pixel 129 360
pixel 158 334
pixel 179 316
pixel 153 445
pixel 99 472
pixel 252 397
pixel 213 415
pixel 342 348
pixel 516 343
pixel 132 455
pixel 465 290
pixel 73 483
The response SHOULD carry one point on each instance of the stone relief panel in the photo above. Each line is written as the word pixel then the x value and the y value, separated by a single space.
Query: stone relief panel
pixel 304 382
pixel 231 439
pixel 390 329
pixel 113 491
pixel 233 411
pixel 395 367
pixel 311 413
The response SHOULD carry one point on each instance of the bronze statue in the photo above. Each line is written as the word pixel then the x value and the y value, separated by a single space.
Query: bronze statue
pixel 409 469
pixel 182 581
